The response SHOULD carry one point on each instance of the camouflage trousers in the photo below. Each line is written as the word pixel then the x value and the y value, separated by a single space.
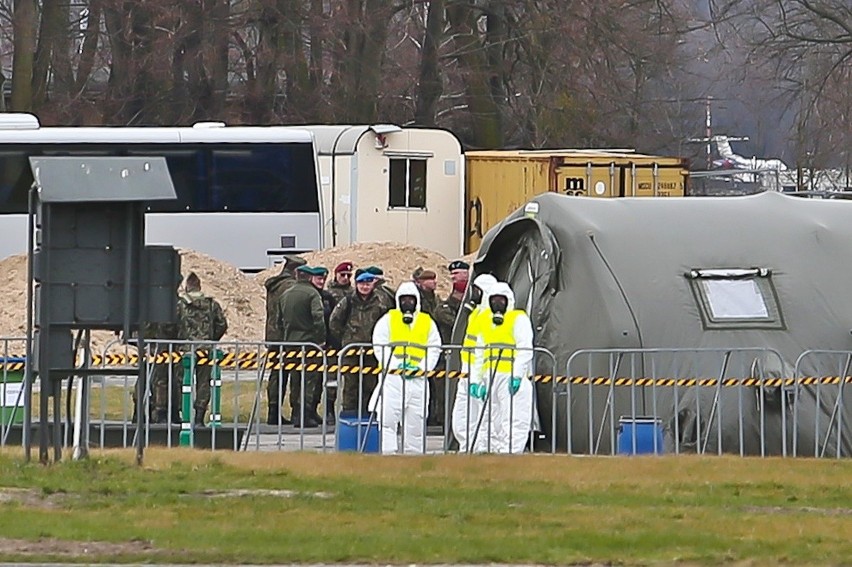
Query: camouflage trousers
pixel 160 377
pixel 203 373
pixel 438 395
pixel 351 383
pixel 273 395
pixel 313 391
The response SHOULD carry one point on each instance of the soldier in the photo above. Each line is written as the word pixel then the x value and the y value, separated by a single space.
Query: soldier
pixel 332 342
pixel 342 283
pixel 386 294
pixel 200 318
pixel 353 320
pixel 301 320
pixel 165 372
pixel 426 282
pixel 445 315
pixel 275 286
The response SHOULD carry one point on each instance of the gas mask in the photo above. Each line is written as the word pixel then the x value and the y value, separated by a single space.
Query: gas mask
pixel 498 305
pixel 408 305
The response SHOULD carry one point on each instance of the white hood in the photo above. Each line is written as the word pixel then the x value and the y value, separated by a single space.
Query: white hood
pixel 408 288
pixel 502 288
pixel 485 282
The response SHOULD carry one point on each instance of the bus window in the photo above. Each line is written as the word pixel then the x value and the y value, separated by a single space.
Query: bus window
pixel 15 180
pixel 189 176
pixel 263 178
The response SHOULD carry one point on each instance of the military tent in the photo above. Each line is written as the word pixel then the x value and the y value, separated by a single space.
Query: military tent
pixel 767 272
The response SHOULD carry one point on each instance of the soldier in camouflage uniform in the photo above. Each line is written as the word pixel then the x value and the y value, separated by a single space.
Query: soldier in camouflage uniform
pixel 353 320
pixel 331 342
pixel 445 317
pixel 275 287
pixel 341 285
pixel 386 294
pixel 164 372
pixel 426 281
pixel 200 318
pixel 301 320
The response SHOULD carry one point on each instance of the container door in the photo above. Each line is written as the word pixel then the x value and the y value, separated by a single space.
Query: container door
pixel 653 180
pixel 588 180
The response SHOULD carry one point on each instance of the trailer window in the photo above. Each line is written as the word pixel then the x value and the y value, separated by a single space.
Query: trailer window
pixel 736 298
pixel 407 185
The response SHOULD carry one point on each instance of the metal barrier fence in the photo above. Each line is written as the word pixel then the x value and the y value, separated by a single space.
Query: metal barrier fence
pixel 744 401
pixel 501 422
pixel 822 416
pixel 13 402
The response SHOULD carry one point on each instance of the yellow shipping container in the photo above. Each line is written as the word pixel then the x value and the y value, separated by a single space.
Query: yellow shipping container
pixel 500 181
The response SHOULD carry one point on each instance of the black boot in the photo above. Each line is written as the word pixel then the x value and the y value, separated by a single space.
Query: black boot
pixel 199 417
pixel 329 416
pixel 160 416
pixel 176 417
pixel 272 417
pixel 308 421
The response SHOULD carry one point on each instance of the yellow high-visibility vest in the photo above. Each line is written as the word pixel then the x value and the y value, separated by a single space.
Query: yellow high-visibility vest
pixel 503 358
pixel 416 334
pixel 471 334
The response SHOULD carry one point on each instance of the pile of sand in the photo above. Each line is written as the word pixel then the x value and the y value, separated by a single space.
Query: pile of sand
pixel 242 296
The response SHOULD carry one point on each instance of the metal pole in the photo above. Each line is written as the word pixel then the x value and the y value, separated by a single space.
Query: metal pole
pixel 26 432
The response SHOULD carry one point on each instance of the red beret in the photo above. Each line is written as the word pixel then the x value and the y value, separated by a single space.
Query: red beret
pixel 343 267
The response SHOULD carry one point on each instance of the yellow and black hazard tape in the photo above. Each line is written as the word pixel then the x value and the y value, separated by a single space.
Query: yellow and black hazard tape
pixel 268 361
pixel 227 358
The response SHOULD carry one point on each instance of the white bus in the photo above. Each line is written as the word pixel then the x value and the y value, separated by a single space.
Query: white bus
pixel 246 194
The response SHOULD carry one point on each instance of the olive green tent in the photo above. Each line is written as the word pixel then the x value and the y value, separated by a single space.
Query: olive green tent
pixel 767 272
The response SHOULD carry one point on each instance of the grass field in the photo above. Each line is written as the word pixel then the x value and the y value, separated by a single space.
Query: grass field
pixel 191 506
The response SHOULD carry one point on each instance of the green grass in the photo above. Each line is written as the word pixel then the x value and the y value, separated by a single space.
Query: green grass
pixel 116 403
pixel 454 509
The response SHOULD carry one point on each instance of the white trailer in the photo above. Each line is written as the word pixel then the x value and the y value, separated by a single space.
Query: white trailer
pixel 384 182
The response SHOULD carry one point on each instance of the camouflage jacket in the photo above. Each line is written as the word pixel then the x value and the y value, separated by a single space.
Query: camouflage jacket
pixel 428 301
pixel 445 317
pixel 162 332
pixel 387 296
pixel 200 318
pixel 354 317
pixel 275 286
pixel 339 291
pixel 301 318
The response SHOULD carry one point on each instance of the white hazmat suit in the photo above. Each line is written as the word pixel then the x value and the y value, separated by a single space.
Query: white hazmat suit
pixel 504 371
pixel 466 409
pixel 405 340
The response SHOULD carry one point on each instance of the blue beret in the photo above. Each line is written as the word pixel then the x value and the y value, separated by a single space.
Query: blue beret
pixel 365 277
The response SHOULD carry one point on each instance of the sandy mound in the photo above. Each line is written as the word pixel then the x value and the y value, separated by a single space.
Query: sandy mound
pixel 397 260
pixel 242 297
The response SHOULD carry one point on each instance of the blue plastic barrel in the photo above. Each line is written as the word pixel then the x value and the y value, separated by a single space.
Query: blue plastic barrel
pixel 644 430
pixel 351 431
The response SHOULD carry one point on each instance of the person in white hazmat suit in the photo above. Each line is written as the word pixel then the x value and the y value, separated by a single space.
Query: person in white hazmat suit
pixel 407 344
pixel 501 374
pixel 465 408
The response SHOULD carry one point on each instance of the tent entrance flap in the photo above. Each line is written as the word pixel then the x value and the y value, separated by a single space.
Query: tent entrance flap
pixel 526 254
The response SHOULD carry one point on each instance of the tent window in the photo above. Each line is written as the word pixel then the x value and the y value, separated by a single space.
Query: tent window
pixel 736 299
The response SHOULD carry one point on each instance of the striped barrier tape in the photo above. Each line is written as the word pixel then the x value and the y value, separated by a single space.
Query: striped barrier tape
pixel 542 378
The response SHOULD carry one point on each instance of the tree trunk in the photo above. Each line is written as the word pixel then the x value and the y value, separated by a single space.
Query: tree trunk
pixel 485 113
pixel 22 63
pixel 90 45
pixel 430 83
